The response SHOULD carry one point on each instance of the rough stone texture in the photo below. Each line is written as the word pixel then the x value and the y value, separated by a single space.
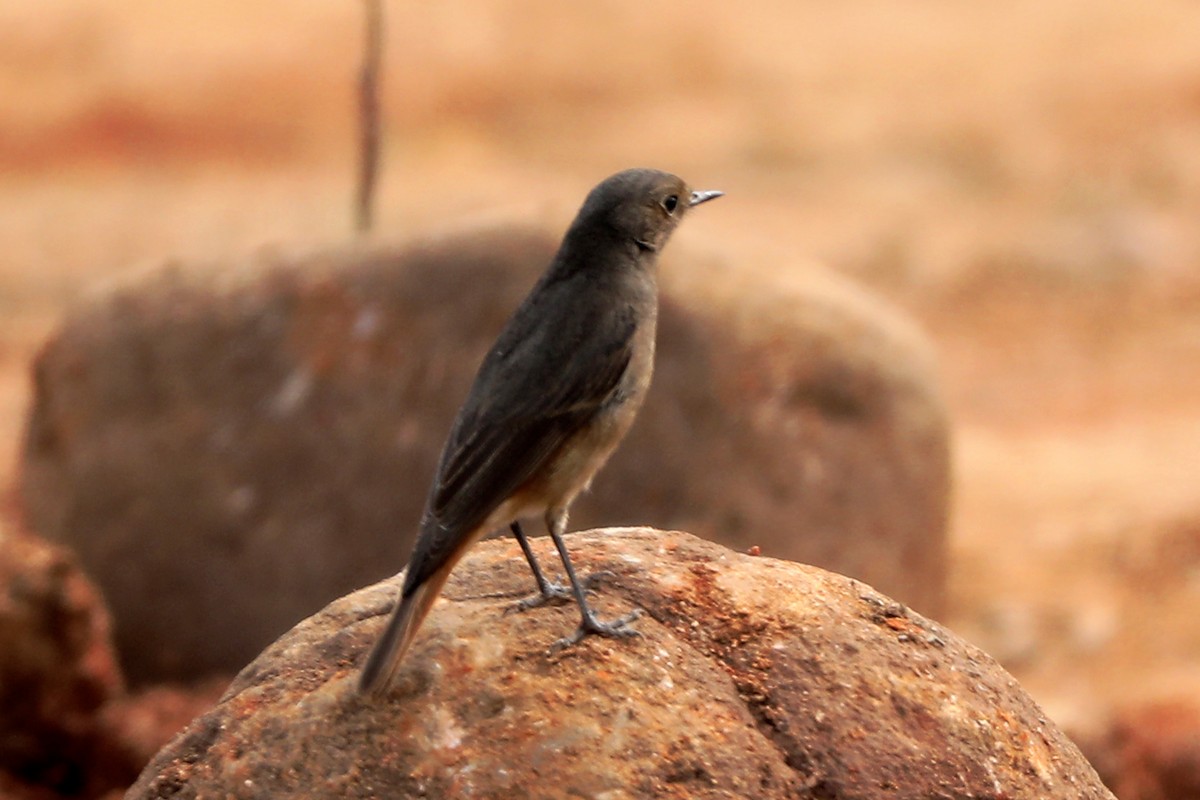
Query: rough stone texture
pixel 227 452
pixel 57 668
pixel 1151 752
pixel 754 677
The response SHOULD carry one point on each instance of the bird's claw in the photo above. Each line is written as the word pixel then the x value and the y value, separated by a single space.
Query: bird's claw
pixel 556 593
pixel 552 593
pixel 619 628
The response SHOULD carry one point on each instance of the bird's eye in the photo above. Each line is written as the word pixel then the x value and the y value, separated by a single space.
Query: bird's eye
pixel 670 203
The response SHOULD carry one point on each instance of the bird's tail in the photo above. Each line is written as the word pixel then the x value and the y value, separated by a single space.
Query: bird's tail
pixel 401 629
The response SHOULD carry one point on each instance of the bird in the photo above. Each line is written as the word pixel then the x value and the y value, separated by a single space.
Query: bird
pixel 553 397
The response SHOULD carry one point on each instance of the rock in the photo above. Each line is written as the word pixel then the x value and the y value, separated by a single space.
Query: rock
pixel 57 669
pixel 790 402
pixel 1151 752
pixel 227 452
pixel 753 677
pixel 67 727
pixel 138 725
pixel 13 789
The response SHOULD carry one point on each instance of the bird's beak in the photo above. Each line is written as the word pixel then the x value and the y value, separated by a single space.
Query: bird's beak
pixel 703 197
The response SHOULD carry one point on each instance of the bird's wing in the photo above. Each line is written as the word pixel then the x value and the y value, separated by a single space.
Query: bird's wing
pixel 513 422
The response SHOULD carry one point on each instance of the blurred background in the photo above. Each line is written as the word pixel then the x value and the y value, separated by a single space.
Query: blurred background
pixel 1022 178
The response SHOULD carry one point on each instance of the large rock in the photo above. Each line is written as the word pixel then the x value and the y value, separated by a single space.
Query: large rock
pixel 1151 752
pixel 138 725
pixel 67 727
pixel 57 670
pixel 229 451
pixel 753 677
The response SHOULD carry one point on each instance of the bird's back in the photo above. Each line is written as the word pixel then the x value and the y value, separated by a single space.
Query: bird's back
pixel 561 359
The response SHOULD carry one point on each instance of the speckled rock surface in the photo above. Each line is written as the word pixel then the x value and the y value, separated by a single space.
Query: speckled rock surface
pixel 229 449
pixel 753 678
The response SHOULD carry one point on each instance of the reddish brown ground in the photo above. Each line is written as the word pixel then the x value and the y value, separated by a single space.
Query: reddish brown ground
pixel 1023 177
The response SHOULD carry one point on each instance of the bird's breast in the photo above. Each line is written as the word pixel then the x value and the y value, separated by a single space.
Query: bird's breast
pixel 582 456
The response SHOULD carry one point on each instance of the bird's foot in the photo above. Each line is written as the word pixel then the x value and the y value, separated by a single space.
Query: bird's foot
pixel 619 628
pixel 554 592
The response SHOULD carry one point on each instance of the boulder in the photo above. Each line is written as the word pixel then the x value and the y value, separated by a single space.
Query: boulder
pixel 752 677
pixel 57 670
pixel 229 449
pixel 138 725
pixel 1152 751
pixel 12 788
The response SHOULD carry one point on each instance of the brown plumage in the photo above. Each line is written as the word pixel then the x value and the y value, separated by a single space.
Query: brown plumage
pixel 552 399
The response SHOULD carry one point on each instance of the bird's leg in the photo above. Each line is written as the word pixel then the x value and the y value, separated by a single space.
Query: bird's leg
pixel 556 521
pixel 550 590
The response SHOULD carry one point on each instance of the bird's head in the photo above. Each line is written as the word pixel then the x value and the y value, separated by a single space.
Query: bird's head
pixel 640 206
